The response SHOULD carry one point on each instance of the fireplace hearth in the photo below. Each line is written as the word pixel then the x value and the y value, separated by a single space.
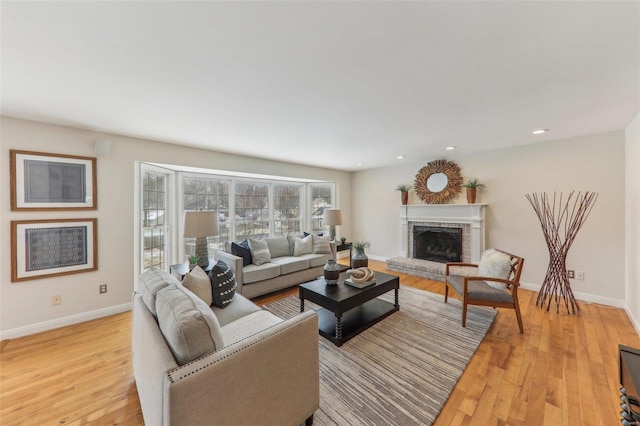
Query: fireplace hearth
pixel 437 244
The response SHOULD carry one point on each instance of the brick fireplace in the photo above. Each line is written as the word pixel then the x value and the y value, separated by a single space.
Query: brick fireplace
pixel 448 228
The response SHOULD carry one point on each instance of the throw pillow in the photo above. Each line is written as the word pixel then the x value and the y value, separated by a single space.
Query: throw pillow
pixel 495 264
pixel 223 284
pixel 197 281
pixel 150 283
pixel 188 325
pixel 259 251
pixel 291 238
pixel 242 250
pixel 278 246
pixel 321 245
pixel 303 246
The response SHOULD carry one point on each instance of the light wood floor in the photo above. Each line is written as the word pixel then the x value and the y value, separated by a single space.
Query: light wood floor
pixel 561 371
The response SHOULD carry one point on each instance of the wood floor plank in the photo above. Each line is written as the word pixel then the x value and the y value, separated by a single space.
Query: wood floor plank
pixel 561 371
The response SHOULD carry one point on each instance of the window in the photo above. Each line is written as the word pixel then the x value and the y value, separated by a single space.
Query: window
pixel 208 194
pixel 155 220
pixel 286 208
pixel 251 209
pixel 321 198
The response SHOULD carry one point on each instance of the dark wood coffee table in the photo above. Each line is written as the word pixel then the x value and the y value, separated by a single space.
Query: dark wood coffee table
pixel 345 310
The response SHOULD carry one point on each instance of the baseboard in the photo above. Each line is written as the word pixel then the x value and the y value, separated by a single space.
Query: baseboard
pixel 586 297
pixel 63 322
pixel 633 320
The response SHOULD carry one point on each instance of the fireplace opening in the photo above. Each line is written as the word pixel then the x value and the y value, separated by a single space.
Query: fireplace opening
pixel 437 244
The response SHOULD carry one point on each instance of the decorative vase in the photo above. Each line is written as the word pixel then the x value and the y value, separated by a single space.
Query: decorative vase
pixel 471 195
pixel 331 272
pixel 405 198
pixel 359 259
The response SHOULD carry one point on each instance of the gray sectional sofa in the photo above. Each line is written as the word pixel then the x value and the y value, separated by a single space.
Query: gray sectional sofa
pixel 200 365
pixel 291 262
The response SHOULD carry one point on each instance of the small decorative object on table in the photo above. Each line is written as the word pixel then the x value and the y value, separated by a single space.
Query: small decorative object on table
pixel 193 261
pixel 472 186
pixel 404 191
pixel 361 277
pixel 343 240
pixel 359 258
pixel 331 272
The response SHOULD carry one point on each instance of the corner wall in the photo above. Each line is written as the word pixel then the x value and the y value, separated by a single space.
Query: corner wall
pixel 593 163
pixel 25 307
pixel 632 221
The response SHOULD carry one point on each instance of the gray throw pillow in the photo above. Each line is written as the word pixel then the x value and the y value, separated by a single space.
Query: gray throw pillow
pixel 278 246
pixel 321 245
pixel 188 325
pixel 223 284
pixel 197 281
pixel 259 251
pixel 291 238
pixel 150 283
pixel 303 246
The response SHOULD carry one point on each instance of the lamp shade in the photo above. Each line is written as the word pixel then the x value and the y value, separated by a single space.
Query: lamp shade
pixel 200 224
pixel 332 217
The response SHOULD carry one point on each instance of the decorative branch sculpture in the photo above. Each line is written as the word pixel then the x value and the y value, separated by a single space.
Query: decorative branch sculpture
pixel 561 221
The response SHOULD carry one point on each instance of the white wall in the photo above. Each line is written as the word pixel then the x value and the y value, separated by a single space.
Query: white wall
pixel 26 307
pixel 593 163
pixel 632 220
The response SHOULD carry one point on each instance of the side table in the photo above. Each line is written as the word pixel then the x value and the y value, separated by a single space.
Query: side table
pixel 179 270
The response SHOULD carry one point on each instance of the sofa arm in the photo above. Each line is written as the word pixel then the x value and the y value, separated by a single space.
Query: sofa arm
pixel 269 378
pixel 236 265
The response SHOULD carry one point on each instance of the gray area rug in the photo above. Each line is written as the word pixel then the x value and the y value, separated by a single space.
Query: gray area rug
pixel 402 370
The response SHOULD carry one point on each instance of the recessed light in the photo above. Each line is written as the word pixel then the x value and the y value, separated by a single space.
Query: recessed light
pixel 450 148
pixel 400 157
pixel 360 164
pixel 540 131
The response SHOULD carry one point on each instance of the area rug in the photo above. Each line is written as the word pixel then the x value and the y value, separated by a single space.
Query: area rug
pixel 402 370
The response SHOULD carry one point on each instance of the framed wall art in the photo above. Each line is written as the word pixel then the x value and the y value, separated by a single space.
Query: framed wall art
pixel 42 181
pixel 47 248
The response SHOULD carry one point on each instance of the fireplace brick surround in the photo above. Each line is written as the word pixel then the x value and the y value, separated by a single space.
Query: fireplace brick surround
pixel 469 217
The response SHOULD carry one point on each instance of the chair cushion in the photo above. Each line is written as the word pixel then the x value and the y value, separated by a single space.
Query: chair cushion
pixel 188 325
pixel 223 284
pixel 321 245
pixel 316 259
pixel 303 246
pixel 254 273
pixel 241 249
pixel 290 264
pixel 197 281
pixel 248 326
pixel 150 283
pixel 495 264
pixel 240 307
pixel 479 290
pixel 259 251
pixel 278 246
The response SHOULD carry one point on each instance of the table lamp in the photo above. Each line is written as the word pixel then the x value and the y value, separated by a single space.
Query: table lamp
pixel 200 225
pixel 332 217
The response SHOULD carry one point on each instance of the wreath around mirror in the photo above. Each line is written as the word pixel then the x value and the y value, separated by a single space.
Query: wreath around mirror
pixel 454 181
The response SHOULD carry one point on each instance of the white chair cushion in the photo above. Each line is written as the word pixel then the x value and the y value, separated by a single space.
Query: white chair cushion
pixel 495 264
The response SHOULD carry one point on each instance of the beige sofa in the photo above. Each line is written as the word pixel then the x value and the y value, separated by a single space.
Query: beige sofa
pixel 284 270
pixel 262 370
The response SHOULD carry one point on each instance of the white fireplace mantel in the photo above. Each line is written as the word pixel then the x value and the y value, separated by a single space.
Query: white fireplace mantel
pixel 471 214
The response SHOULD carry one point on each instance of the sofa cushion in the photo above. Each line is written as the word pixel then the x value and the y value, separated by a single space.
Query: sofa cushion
pixel 150 283
pixel 254 273
pixel 321 245
pixel 259 251
pixel 494 263
pixel 303 246
pixel 240 307
pixel 316 259
pixel 479 290
pixel 197 281
pixel 289 264
pixel 241 249
pixel 248 325
pixel 291 239
pixel 223 284
pixel 278 246
pixel 188 325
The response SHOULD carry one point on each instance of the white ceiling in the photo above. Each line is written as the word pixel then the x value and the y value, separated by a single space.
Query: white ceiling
pixel 330 84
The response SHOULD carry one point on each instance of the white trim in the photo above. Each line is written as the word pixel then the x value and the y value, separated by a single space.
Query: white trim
pixel 586 297
pixel 65 321
pixel 632 318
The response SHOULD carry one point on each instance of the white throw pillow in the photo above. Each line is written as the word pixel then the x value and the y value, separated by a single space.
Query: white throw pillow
pixel 303 245
pixel 321 245
pixel 495 264
pixel 259 251
pixel 197 281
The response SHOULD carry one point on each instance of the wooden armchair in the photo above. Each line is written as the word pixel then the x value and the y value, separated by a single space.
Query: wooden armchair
pixel 474 290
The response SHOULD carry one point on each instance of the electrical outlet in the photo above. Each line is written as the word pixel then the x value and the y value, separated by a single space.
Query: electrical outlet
pixel 56 300
pixel 579 275
pixel 571 273
pixel 103 288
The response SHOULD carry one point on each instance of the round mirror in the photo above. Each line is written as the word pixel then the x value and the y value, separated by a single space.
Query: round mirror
pixel 437 182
